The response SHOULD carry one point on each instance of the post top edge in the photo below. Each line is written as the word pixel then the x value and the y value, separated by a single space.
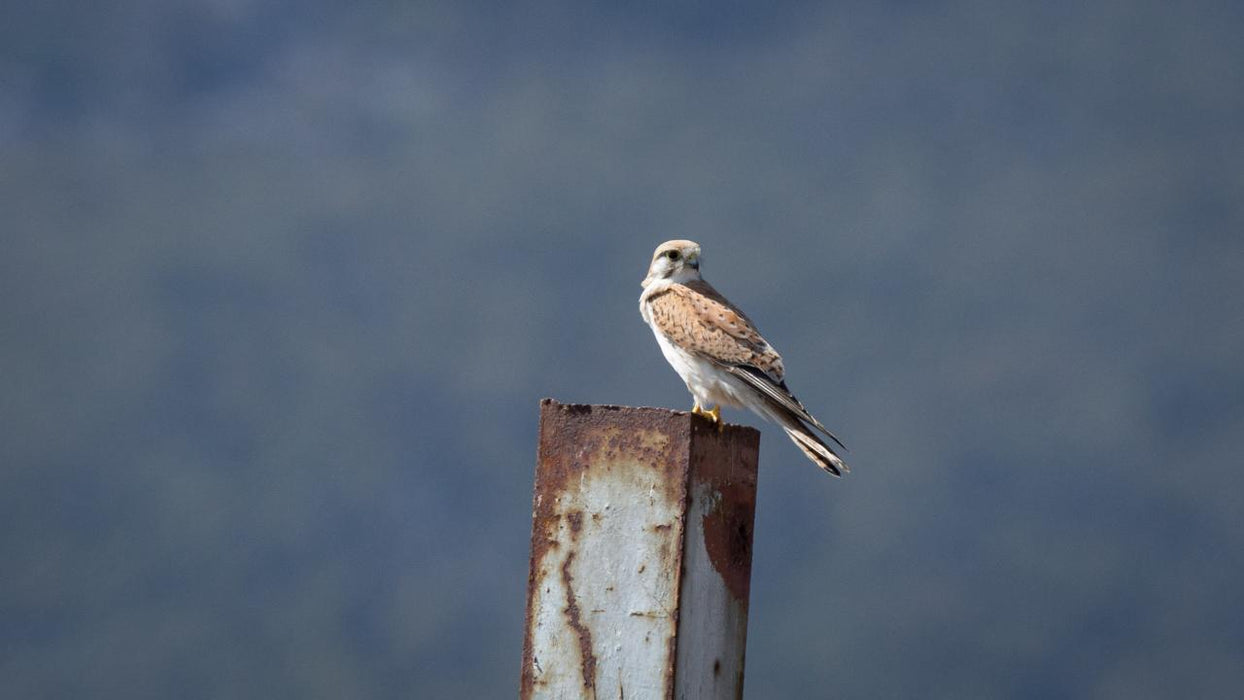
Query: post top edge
pixel 646 411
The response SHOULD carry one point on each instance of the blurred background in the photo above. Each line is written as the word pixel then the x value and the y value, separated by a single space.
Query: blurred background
pixel 283 283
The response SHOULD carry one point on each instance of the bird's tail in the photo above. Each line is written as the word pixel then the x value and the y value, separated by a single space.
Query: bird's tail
pixel 817 451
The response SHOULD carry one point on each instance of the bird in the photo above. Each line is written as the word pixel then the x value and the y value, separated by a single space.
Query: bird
pixel 720 355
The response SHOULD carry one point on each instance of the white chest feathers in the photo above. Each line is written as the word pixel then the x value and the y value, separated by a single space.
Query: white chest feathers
pixel 708 384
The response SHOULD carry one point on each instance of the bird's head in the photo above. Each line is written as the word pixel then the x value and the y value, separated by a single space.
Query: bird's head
pixel 676 261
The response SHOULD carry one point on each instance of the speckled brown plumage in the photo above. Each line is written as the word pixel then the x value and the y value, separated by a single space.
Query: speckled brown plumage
pixel 695 315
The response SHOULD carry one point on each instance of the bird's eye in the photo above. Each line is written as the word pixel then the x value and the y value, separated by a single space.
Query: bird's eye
pixel 672 255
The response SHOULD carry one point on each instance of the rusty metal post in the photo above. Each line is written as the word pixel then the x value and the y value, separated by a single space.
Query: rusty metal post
pixel 641 555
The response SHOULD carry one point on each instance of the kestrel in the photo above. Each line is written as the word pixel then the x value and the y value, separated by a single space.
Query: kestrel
pixel 720 355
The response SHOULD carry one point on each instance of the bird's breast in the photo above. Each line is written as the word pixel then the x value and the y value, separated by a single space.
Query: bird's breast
pixel 708 383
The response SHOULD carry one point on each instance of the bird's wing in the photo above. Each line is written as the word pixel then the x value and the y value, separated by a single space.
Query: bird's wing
pixel 779 394
pixel 700 320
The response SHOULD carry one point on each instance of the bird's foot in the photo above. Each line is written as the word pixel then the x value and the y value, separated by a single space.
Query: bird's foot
pixel 715 416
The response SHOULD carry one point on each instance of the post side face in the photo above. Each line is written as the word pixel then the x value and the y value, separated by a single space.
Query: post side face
pixel 712 625
pixel 607 530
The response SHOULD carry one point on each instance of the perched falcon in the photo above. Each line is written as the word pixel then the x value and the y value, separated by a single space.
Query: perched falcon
pixel 719 354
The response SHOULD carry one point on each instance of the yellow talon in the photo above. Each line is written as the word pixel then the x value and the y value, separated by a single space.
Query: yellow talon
pixel 715 414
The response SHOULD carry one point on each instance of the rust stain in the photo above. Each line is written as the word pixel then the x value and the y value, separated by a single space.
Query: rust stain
pixel 606 431
pixel 587 658
pixel 728 524
pixel 671 651
pixel 575 518
pixel 728 539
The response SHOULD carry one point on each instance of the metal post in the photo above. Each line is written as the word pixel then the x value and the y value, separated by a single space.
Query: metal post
pixel 641 555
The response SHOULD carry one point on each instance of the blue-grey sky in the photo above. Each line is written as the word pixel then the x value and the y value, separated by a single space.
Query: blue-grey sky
pixel 283 283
